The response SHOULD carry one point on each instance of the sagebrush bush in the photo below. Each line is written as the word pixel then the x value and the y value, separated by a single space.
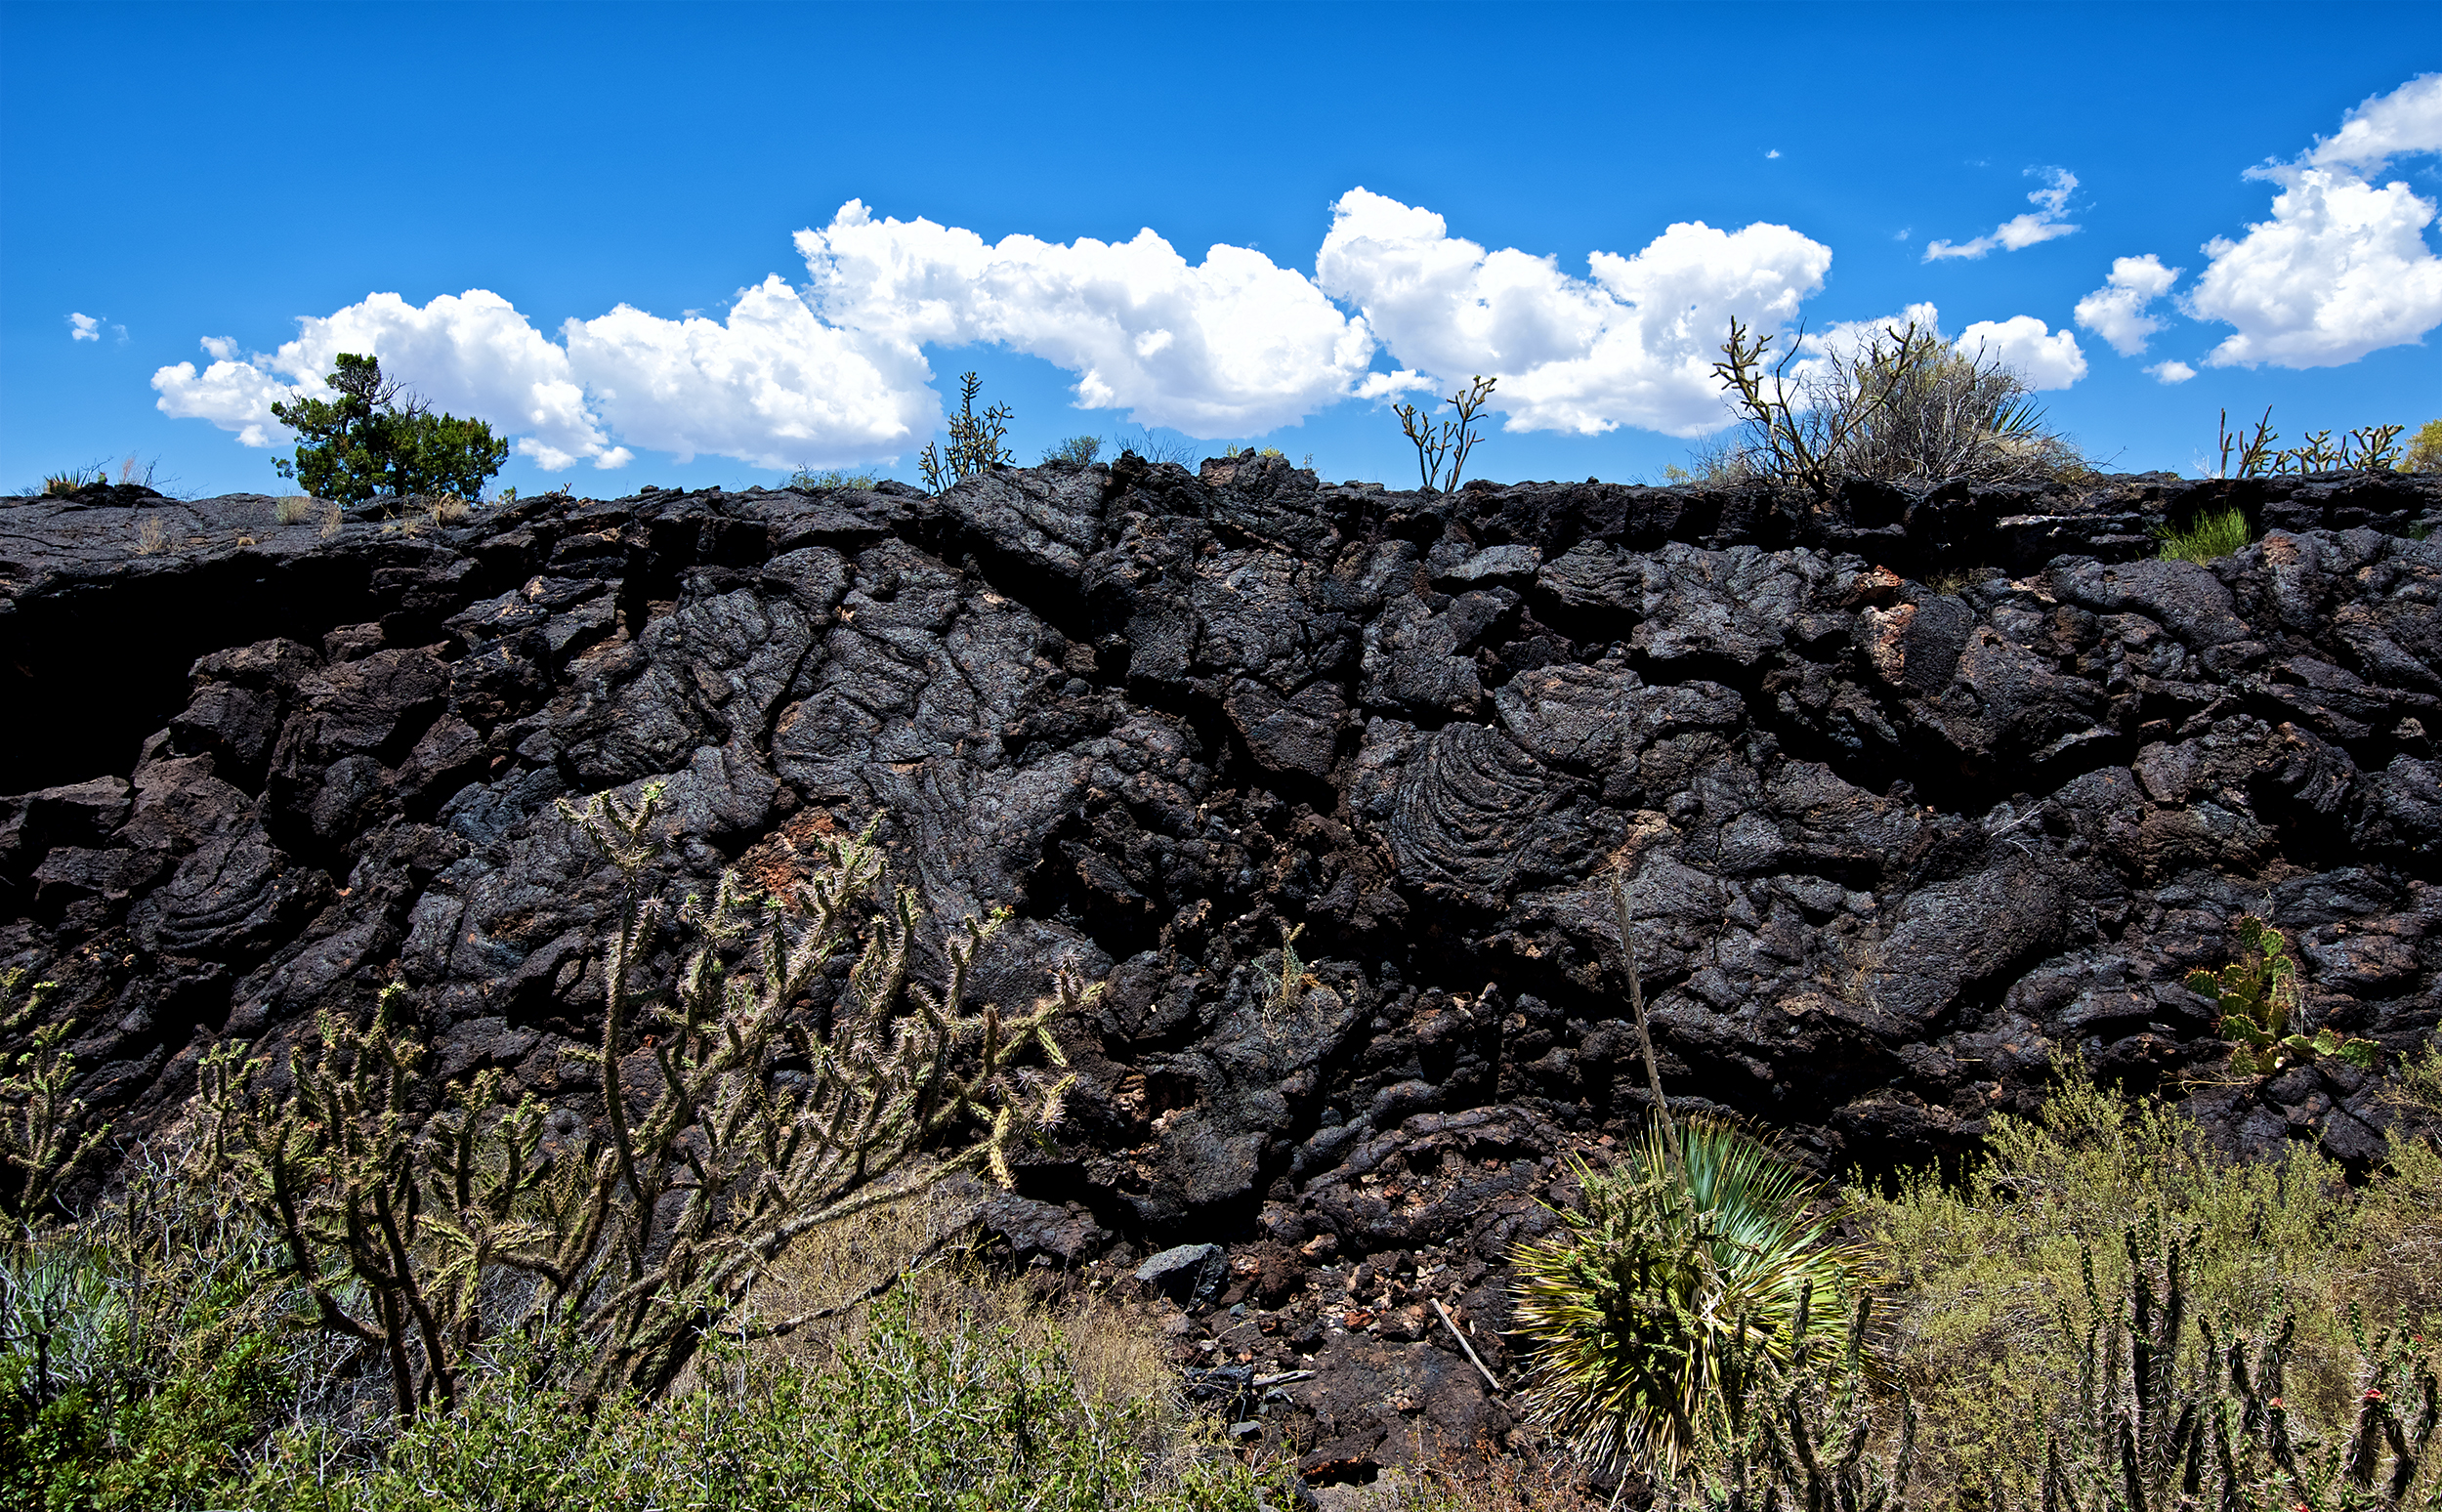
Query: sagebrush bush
pixel 2423 452
pixel 1080 449
pixel 1905 406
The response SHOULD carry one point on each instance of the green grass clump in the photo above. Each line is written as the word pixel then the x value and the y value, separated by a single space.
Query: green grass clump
pixel 2209 537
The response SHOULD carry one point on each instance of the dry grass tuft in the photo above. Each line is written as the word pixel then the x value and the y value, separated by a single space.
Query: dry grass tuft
pixel 332 519
pixel 152 537
pixel 287 511
pixel 1113 1345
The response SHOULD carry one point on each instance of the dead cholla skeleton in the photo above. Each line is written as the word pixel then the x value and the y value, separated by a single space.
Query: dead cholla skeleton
pixel 619 1255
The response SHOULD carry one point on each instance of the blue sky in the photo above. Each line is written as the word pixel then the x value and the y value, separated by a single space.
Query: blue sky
pixel 618 233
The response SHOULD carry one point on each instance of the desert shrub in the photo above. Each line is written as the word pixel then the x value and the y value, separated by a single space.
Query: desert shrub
pixel 966 1415
pixel 2423 452
pixel 60 484
pixel 1904 406
pixel 148 1357
pixel 1451 438
pixel 2003 1276
pixel 1080 449
pixel 807 481
pixel 1686 1279
pixel 425 1245
pixel 144 1350
pixel 374 437
pixel 974 441
pixel 289 509
pixel 1153 448
pixel 2209 536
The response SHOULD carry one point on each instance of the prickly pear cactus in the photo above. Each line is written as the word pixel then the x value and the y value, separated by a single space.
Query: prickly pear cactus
pixel 2258 997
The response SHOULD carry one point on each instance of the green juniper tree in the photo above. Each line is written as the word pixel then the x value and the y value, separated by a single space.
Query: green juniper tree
pixel 377 439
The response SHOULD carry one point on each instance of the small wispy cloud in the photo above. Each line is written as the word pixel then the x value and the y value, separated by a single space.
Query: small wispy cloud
pixel 1773 152
pixel 2116 311
pixel 2020 232
pixel 83 327
pixel 2173 371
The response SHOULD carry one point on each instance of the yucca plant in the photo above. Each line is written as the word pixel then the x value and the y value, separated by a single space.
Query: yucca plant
pixel 1687 1274
pixel 2259 997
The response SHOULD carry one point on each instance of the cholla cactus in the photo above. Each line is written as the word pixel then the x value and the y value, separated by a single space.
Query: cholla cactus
pixel 2144 1441
pixel 634 1244
pixel 41 1144
pixel 2259 997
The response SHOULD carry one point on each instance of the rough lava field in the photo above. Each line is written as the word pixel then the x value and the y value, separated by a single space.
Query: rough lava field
pixel 1891 846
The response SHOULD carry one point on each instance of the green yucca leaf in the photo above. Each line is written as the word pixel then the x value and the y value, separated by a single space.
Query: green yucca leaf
pixel 1689 1271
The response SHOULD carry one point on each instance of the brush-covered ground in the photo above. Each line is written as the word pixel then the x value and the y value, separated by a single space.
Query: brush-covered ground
pixel 151 1360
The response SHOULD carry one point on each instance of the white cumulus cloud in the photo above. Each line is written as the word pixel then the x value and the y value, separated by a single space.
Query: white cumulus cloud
pixel 1230 346
pixel 772 385
pixel 83 327
pixel 2343 268
pixel 2116 311
pixel 2021 232
pixel 1233 344
pixel 1632 344
pixel 2409 120
pixel 2045 358
pixel 468 353
pixel 2173 371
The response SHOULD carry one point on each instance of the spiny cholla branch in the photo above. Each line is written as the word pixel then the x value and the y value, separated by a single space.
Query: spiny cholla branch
pixel 40 1143
pixel 636 1243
